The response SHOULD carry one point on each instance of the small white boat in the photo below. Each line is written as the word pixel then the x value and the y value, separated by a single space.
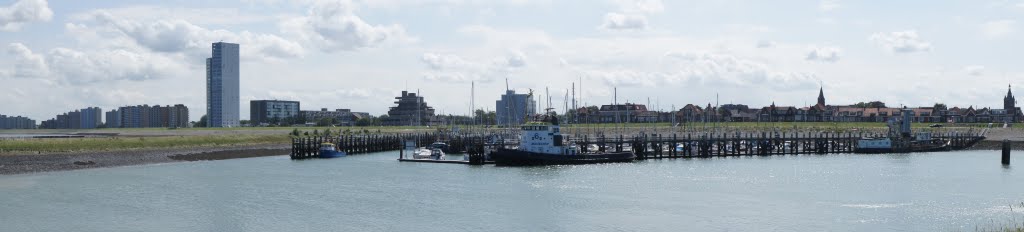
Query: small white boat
pixel 424 153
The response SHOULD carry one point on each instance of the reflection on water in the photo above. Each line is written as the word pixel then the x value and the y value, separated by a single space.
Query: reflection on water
pixel 953 191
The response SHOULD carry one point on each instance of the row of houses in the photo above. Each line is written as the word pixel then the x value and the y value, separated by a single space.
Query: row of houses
pixel 635 113
pixel 820 112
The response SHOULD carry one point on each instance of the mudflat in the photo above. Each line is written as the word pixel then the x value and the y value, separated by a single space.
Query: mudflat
pixel 46 162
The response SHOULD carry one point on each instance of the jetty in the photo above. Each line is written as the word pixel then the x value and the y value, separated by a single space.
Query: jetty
pixel 646 145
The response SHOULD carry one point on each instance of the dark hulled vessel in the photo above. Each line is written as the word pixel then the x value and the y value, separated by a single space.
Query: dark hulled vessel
pixel 543 144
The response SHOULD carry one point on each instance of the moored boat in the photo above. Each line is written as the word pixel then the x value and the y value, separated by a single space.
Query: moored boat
pixel 901 139
pixel 328 150
pixel 543 144
pixel 429 153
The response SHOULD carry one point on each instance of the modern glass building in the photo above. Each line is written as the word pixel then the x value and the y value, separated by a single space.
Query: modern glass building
pixel 91 118
pixel 272 111
pixel 222 97
pixel 513 109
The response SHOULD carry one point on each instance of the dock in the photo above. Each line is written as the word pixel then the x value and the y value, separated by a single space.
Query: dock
pixel 441 161
pixel 645 145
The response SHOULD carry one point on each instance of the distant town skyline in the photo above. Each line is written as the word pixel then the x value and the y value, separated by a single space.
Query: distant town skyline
pixel 359 55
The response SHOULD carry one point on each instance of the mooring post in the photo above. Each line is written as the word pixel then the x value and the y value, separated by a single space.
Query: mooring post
pixel 1006 152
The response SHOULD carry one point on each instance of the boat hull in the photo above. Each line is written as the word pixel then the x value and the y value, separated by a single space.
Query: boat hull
pixel 332 154
pixel 508 157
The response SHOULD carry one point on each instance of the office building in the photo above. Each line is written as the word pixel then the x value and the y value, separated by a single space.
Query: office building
pixel 513 109
pixel 262 112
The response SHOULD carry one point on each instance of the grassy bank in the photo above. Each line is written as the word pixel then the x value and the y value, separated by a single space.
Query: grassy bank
pixel 22 146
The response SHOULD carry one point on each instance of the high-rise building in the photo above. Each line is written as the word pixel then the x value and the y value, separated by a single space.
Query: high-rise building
pixel 114 119
pixel 177 116
pixel 150 116
pixel 91 118
pixel 16 122
pixel 222 97
pixel 88 118
pixel 272 111
pixel 513 108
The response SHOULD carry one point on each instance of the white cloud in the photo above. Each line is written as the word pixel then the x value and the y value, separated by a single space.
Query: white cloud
pixel 334 26
pixel 79 67
pixel 975 70
pixel 27 64
pixel 697 68
pixel 828 5
pixel 451 3
pixel 13 17
pixel 70 66
pixel 765 44
pixel 618 21
pixel 901 42
pixel 998 28
pixel 453 68
pixel 640 6
pixel 200 16
pixel 180 36
pixel 732 70
pixel 823 54
pixel 631 15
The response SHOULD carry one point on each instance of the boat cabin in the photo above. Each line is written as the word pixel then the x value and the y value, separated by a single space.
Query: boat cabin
pixel 327 147
pixel 874 143
pixel 544 138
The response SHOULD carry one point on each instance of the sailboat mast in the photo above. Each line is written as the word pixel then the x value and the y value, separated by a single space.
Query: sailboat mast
pixel 472 100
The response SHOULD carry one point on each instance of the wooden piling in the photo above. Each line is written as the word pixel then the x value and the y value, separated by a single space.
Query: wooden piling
pixel 1006 152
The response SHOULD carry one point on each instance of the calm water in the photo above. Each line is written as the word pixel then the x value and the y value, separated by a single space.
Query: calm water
pixel 937 192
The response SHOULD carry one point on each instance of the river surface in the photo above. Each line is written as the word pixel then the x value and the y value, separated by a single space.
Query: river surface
pixel 955 191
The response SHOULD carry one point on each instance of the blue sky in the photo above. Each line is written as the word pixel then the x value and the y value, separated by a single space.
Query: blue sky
pixel 65 55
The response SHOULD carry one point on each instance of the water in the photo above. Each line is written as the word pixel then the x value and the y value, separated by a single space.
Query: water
pixel 956 191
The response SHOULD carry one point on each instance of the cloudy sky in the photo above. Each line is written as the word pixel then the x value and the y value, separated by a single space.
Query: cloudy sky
pixel 360 54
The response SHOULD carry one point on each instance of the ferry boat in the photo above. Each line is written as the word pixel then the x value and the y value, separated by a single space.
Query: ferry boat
pixel 542 144
pixel 901 139
pixel 328 150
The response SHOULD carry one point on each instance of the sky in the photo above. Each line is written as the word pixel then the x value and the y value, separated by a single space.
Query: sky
pixel 360 54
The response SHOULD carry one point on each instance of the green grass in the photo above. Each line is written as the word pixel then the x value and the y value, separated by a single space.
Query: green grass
pixel 16 146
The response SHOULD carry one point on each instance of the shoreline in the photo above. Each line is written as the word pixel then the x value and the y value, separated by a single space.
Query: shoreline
pixel 52 162
pixel 996 145
pixel 49 162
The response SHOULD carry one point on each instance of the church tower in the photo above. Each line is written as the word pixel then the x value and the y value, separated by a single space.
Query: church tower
pixel 821 96
pixel 1010 105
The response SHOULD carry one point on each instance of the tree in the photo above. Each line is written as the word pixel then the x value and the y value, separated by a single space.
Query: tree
pixel 202 122
pixel 325 122
pixel 873 104
pixel 364 122
pixel 245 122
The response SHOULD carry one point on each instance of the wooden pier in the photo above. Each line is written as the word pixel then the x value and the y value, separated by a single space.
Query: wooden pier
pixel 646 146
